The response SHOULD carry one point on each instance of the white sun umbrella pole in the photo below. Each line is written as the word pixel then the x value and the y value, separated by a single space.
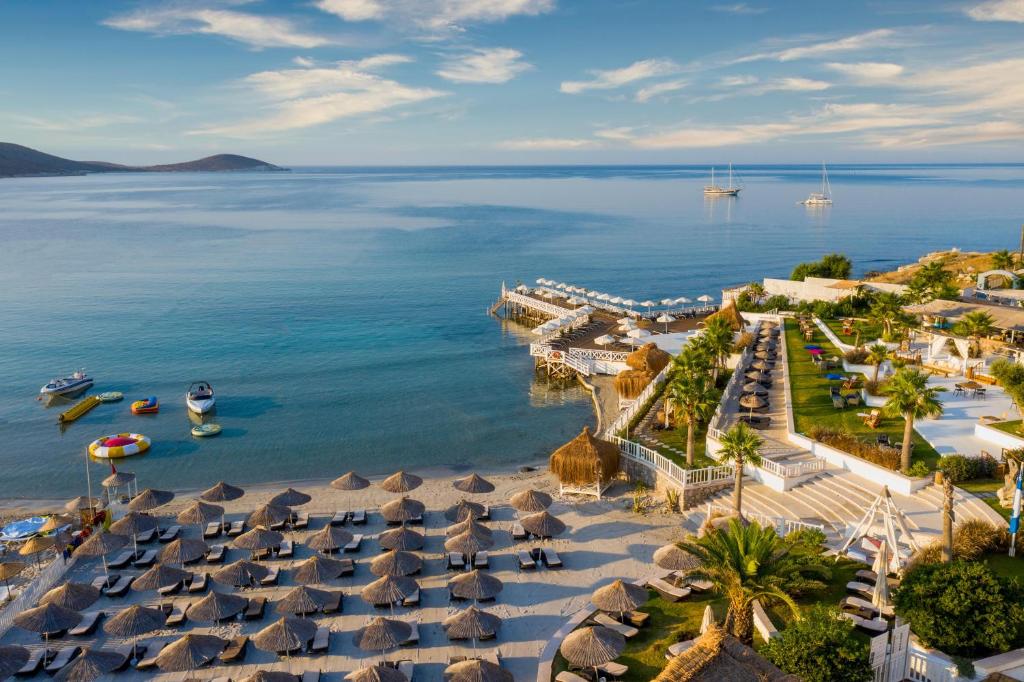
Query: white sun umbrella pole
pixel 880 595
pixel 648 304
pixel 665 319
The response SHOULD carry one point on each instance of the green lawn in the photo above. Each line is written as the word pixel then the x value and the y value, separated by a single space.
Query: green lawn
pixel 1011 427
pixel 1005 565
pixel 987 485
pixel 868 332
pixel 677 439
pixel 812 404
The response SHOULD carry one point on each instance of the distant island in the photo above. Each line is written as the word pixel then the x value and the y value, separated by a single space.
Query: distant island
pixel 20 161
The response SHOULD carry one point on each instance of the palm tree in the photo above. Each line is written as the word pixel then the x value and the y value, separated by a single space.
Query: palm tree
pixel 694 359
pixel 740 445
pixel 748 562
pixel 877 354
pixel 1002 260
pixel 756 291
pixel 717 338
pixel 696 397
pixel 887 310
pixel 974 326
pixel 911 397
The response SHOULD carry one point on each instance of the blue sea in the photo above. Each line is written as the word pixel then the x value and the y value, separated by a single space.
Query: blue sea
pixel 341 313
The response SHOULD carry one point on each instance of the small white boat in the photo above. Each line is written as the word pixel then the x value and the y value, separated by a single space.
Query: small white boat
pixel 199 397
pixel 76 382
pixel 718 191
pixel 824 197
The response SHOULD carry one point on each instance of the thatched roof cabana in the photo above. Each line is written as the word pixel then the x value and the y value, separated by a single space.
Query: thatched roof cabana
pixel 729 312
pixel 648 358
pixel 630 383
pixel 585 464
pixel 718 657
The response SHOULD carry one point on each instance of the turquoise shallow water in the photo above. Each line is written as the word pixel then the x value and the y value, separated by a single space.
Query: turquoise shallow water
pixel 341 313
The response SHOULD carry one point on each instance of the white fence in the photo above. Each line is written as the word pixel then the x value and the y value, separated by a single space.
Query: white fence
pixel 46 579
pixel 793 470
pixel 599 354
pixel 781 524
pixel 627 415
pixel 652 459
pixel 540 306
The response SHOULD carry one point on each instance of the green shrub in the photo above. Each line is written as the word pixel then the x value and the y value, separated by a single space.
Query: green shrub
pixel 842 439
pixel 971 540
pixel 821 648
pixel 918 470
pixel 962 468
pixel 875 388
pixel 856 356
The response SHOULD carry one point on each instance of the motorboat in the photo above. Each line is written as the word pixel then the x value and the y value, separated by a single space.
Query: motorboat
pixel 199 397
pixel 78 381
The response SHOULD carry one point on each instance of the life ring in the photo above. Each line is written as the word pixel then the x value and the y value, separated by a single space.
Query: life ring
pixel 556 355
pixel 119 445
pixel 205 430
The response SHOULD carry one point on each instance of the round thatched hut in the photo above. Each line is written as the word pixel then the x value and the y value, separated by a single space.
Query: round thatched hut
pixel 645 363
pixel 729 312
pixel 585 465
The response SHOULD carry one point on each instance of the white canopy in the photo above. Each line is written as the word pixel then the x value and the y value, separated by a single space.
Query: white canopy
pixel 669 301
pixel 638 333
pixel 604 340
pixel 665 318
pixel 705 299
pixel 683 299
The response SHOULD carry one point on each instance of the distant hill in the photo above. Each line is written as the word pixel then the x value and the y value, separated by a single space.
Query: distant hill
pixel 19 161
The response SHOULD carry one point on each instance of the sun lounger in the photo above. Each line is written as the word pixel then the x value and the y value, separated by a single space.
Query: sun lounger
pixel 416 520
pixel 865 604
pixel 334 604
pixel 286 550
pixel 678 648
pixel 147 559
pixel 177 617
pixel 359 517
pixel 614 669
pixel 212 531
pixel 604 619
pixel 339 518
pixel 279 525
pixel 301 520
pixel 169 589
pixel 236 528
pixel 234 652
pixel 124 650
pixel 198 583
pixel 146 537
pixel 122 559
pixel 518 532
pixel 357 541
pixel 100 583
pixel 637 618
pixel 254 609
pixel 321 641
pixel 456 562
pixel 526 561
pixel 260 554
pixel 135 653
pixel 870 626
pixel 481 560
pixel 216 554
pixel 120 586
pixel 272 577
pixel 414 634
pixel 566 676
pixel 312 676
pixel 348 568
pixel 486 516
pixel 412 600
pixel 860 588
pixel 35 660
pixel 87 625
pixel 63 657
pixel 551 558
pixel 667 590
pixel 171 534
pixel 152 651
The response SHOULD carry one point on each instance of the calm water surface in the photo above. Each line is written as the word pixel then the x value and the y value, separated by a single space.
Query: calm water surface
pixel 341 313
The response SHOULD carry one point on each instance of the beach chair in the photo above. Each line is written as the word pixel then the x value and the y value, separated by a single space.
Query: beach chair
pixel 168 590
pixel 407 668
pixel 234 652
pixel 858 602
pixel 838 401
pixel 254 609
pixel 153 650
pixel 871 419
pixel 486 516
pixel 216 554
pixel 637 618
pixel 286 550
pixel 354 546
pixel 35 661
pixel 339 518
pixel 414 634
pixel 413 600
pixel 604 619
pixel 124 650
pixel 280 524
pixel 481 560
pixel 87 625
pixel 146 537
pixel 260 554
pixel 613 669
pixel 518 532
pixel 122 559
pixel 171 534
pixel 456 562
pixel 147 559
pixel 551 558
pixel 667 590
pixel 101 583
pixel 526 562
pixel 212 531
pixel 334 604
pixel 271 578
pixel 120 586
pixel 63 657
pixel 177 616
pixel 301 521
pixel 359 518
pixel 870 626
pixel 199 583
pixel 236 528
pixel 348 567
pixel 859 588
pixel 321 641
pixel 566 676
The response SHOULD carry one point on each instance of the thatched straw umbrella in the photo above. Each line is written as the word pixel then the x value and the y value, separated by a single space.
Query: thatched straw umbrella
pixel 672 557
pixel 382 634
pixel 36 545
pixel 716 655
pixel 543 524
pixel 241 573
pixel 471 623
pixel 119 479
pixel 190 652
pixel 158 577
pixel 397 563
pixel 55 522
pixel 217 606
pixel 271 676
pixel 201 513
pixel 317 569
pixel 473 484
pixel 759 365
pixel 90 665
pixel 388 590
pixel 585 460
pixel 400 538
pixel 400 511
pixel 47 620
pixel 285 635
pixel 377 673
pixel 591 646
pixel 329 539
pixel 764 355
pixel 133 524
pixel 469 526
pixel 477 670
pixel 81 502
pixel 468 543
pixel 401 482
pixel 259 538
pixel 102 544
pixel 619 596
pixel 183 551
pixel 759 377
pixel 10 569
pixel 302 600
pixel 755 388
pixel 222 492
pixel 150 499
pixel 269 515
pixel 134 621
pixel 290 498
pixel 475 585
pixel 464 510
pixel 648 358
pixel 753 402
pixel 12 659
pixel 71 596
pixel 350 481
pixel 530 501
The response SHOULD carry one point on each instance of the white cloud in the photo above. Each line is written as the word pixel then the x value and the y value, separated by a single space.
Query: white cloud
pixel 998 10
pixel 353 10
pixel 739 8
pixel 251 29
pixel 971 133
pixel 869 73
pixel 486 65
pixel 381 61
pixel 73 123
pixel 651 91
pixel 737 81
pixel 303 61
pixel 622 133
pixel 548 143
pixel 435 14
pixel 300 98
pixel 877 38
pixel 750 85
pixel 616 78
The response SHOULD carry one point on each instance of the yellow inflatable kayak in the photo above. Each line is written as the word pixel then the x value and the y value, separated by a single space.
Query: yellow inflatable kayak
pixel 78 409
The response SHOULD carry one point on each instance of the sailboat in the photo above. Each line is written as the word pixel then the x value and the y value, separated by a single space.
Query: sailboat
pixel 824 197
pixel 718 191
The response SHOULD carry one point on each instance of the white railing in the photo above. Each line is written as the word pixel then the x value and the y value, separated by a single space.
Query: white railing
pixel 46 579
pixel 652 459
pixel 598 354
pixel 579 364
pixel 794 470
pixel 541 306
pixel 627 415
pixel 781 524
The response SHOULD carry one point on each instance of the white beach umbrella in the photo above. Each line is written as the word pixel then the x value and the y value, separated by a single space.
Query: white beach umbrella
pixel 586 310
pixel 624 320
pixel 665 319
pixel 603 297
pixel 574 301
pixel 705 299
pixel 629 303
pixel 648 304
pixel 561 285
pixel 682 300
pixel 708 620
pixel 615 299
pixel 668 301
pixel 593 294
pixel 636 334
pixel 604 340
pixel 541 280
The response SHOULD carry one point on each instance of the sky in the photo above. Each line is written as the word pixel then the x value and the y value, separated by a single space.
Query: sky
pixel 379 82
